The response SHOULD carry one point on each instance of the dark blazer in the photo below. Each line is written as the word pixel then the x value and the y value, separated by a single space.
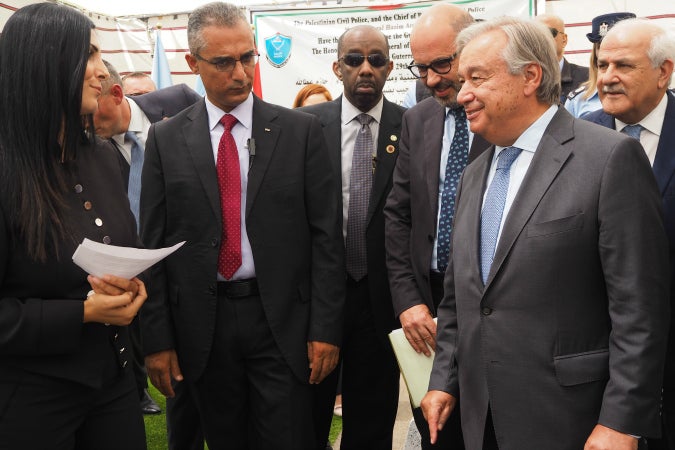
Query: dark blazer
pixel 664 171
pixel 167 102
pixel 41 327
pixel 387 152
pixel 664 163
pixel 571 76
pixel 412 207
pixel 570 329
pixel 292 225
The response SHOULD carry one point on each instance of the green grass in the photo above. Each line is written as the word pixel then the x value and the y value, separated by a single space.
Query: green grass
pixel 155 425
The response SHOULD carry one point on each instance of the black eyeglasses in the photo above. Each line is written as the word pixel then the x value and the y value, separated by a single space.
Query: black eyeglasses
pixel 554 32
pixel 227 63
pixel 440 66
pixel 356 59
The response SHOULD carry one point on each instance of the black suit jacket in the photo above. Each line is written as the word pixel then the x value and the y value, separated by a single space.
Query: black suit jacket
pixel 570 328
pixel 571 76
pixel 41 327
pixel 292 225
pixel 387 152
pixel 412 207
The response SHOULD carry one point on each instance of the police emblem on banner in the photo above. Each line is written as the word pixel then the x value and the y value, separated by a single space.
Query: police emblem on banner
pixel 278 49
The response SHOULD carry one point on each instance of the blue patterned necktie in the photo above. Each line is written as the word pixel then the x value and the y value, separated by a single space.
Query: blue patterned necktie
pixel 633 131
pixel 135 170
pixel 493 209
pixel 360 184
pixel 457 157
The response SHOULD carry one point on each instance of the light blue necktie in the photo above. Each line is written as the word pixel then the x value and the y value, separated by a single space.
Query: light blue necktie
pixel 633 130
pixel 360 185
pixel 493 209
pixel 457 157
pixel 135 170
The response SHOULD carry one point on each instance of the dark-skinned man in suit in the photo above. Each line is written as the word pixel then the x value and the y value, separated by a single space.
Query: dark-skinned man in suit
pixel 370 374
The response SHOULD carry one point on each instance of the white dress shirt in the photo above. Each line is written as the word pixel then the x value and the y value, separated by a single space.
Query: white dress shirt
pixel 241 132
pixel 528 142
pixel 138 124
pixel 652 124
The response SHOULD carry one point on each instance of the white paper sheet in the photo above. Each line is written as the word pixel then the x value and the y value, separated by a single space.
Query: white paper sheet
pixel 126 262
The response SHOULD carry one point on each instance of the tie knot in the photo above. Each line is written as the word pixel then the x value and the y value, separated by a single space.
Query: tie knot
pixel 228 121
pixel 459 113
pixel 507 156
pixel 633 130
pixel 131 136
pixel 364 119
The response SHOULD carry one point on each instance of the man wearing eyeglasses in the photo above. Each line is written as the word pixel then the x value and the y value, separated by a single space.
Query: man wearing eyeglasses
pixel 249 311
pixel 571 75
pixel 436 145
pixel 362 130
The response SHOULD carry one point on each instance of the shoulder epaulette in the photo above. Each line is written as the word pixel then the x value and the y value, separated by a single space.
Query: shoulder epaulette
pixel 576 92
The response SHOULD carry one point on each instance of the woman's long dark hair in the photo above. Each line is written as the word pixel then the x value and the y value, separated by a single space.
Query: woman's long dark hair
pixel 44 50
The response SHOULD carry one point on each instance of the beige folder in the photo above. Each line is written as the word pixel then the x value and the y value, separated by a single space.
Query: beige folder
pixel 415 367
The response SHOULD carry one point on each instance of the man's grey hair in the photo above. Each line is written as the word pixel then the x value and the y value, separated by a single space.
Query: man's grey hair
pixel 212 14
pixel 528 42
pixel 662 45
pixel 113 79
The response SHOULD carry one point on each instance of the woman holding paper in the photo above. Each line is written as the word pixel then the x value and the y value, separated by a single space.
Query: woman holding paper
pixel 64 380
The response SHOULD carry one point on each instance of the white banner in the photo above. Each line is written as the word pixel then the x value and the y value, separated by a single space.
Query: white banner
pixel 298 47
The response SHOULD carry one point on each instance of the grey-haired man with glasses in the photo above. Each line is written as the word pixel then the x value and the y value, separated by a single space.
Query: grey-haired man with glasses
pixel 249 311
pixel 436 145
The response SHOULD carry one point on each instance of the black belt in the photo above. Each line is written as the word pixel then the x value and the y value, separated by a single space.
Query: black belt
pixel 238 288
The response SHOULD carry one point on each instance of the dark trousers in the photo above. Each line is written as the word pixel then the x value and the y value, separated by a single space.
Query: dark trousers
pixel 183 425
pixel 370 376
pixel 39 412
pixel 248 397
pixel 450 436
pixel 323 402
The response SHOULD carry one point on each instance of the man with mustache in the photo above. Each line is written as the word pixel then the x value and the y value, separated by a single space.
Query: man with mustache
pixel 249 311
pixel 362 131
pixel 436 145
pixel 635 64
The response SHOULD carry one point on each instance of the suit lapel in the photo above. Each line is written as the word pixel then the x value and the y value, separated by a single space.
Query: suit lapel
pixel 266 134
pixel 471 197
pixel 664 161
pixel 386 151
pixel 549 158
pixel 433 140
pixel 198 143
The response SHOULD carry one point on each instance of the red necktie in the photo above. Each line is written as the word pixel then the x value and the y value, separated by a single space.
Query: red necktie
pixel 229 180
